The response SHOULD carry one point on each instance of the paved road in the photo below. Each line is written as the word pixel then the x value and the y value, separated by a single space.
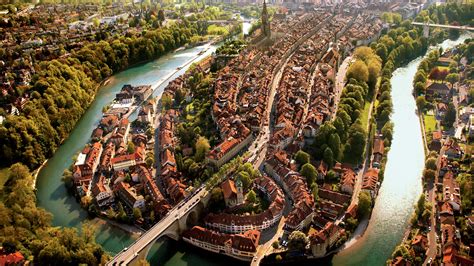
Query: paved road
pixel 263 249
pixel 127 255
pixel 432 241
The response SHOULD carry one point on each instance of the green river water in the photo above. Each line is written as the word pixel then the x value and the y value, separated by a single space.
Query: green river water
pixel 394 205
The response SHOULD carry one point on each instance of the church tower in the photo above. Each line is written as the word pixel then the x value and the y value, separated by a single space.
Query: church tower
pixel 240 191
pixel 265 22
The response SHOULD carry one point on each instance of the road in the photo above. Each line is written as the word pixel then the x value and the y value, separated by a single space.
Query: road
pixel 262 250
pixel 432 241
pixel 128 254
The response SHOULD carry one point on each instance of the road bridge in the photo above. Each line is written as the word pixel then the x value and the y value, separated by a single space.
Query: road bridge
pixel 178 219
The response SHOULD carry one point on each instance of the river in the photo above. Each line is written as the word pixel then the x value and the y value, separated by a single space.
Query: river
pixel 401 186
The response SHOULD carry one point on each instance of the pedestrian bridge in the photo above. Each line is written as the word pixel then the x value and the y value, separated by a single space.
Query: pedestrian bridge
pixel 426 27
pixel 178 219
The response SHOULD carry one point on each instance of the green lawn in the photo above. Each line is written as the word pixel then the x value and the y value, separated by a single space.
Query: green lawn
pixel 4 172
pixel 365 115
pixel 430 123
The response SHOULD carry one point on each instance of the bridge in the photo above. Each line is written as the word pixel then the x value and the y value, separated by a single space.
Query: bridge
pixel 426 27
pixel 227 21
pixel 178 219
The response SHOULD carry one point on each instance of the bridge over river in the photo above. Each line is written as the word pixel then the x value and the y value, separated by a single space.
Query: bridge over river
pixel 176 221
pixel 426 27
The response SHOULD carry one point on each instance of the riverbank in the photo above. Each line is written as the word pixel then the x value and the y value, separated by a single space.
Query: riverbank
pixel 133 230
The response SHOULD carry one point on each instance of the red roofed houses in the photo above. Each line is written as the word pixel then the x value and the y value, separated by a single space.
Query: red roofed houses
pixel 12 259
pixel 451 191
pixel 241 246
pixel 87 163
pixel 370 181
pixel 377 152
pixel 152 189
pixel 226 150
pixel 129 195
pixel 102 193
pixel 348 180
pixel 324 239
pixel 126 161
pixel 231 223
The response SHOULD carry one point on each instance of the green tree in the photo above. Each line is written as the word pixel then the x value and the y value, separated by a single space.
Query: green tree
pixel 202 148
pixel 429 174
pixel 431 164
pixel 251 197
pixel 452 78
pixel 137 213
pixel 297 241
pixel 302 157
pixel 450 115
pixel 130 147
pixel 309 172
pixel 365 204
pixel 329 157
pixel 359 71
pixel 421 103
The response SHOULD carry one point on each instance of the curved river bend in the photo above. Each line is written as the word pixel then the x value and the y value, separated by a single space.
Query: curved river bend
pixel 401 186
pixel 394 205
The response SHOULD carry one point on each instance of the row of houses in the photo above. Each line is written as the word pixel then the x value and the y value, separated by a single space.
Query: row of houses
pixel 231 223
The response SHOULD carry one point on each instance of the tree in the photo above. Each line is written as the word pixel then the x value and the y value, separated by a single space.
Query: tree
pixel 86 201
pixel 302 157
pixel 421 203
pixel 359 71
pixel 309 172
pixel 202 148
pixel 166 101
pixel 275 244
pixel 431 164
pixel 130 147
pixel 450 115
pixel 137 213
pixel 365 204
pixel 297 241
pixel 452 78
pixel 251 197
pixel 421 103
pixel 329 157
pixel 429 174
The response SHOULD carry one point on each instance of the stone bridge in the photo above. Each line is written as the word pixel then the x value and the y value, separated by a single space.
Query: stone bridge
pixel 181 217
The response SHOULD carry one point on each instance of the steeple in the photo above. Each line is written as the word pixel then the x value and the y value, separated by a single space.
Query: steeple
pixel 265 22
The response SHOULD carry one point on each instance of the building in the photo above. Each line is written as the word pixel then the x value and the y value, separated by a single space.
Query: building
pixel 130 196
pixel 451 191
pixel 102 193
pixel 265 21
pixel 230 223
pixel 370 181
pixel 239 246
pixel 377 152
pixel 324 239
pixel 126 161
pixel 232 195
pixel 226 150
pixel 348 180
pixel 86 163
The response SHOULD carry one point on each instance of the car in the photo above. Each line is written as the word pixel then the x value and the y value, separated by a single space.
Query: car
pixel 429 261
pixel 429 228
pixel 125 249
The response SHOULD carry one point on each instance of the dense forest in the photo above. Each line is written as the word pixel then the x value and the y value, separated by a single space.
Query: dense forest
pixel 63 89
pixel 27 228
